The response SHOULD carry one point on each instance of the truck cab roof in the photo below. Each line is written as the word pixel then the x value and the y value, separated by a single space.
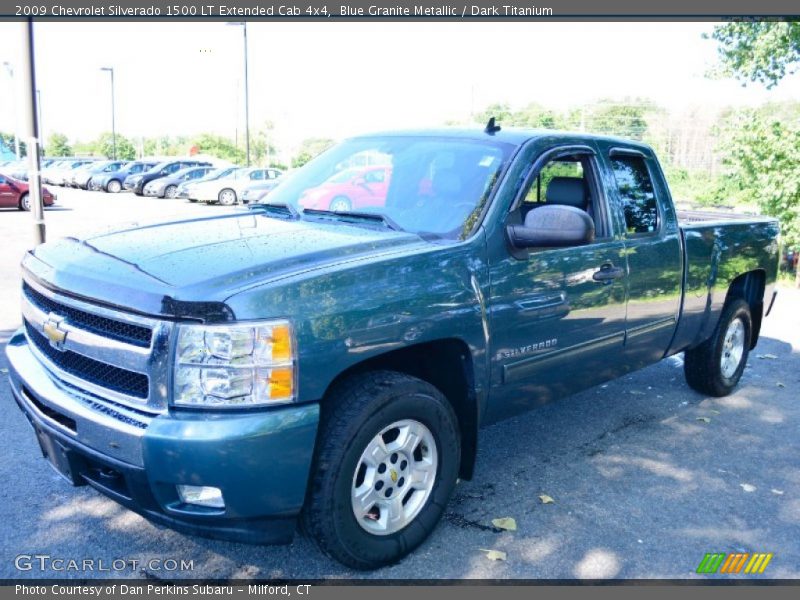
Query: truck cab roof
pixel 516 136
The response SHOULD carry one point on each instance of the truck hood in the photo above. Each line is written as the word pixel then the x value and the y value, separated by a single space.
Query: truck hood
pixel 205 260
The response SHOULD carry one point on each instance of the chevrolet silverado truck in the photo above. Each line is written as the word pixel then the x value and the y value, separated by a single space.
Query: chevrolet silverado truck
pixel 240 375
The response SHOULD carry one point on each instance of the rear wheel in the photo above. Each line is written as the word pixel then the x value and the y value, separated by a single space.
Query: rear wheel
pixel 386 463
pixel 227 197
pixel 25 202
pixel 113 186
pixel 715 366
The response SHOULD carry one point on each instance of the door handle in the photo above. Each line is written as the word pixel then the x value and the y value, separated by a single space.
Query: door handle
pixel 608 273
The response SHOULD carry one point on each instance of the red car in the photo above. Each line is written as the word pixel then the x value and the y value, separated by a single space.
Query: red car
pixel 350 189
pixel 14 193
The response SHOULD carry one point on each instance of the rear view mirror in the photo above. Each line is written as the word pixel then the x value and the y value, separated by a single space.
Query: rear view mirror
pixel 553 226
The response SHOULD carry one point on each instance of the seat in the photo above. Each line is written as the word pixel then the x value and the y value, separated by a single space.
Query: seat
pixel 568 191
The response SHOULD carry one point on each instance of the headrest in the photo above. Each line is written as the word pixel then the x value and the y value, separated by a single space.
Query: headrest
pixel 567 191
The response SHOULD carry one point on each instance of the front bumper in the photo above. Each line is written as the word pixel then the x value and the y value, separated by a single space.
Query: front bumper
pixel 136 188
pixel 153 192
pixel 260 460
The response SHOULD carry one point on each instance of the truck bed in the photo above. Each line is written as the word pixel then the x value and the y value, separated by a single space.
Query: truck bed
pixel 692 217
pixel 719 246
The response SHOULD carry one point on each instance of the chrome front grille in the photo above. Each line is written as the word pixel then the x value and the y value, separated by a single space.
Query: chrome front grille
pixel 111 354
pixel 99 373
pixel 138 335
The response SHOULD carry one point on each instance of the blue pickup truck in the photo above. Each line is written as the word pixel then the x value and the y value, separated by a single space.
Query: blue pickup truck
pixel 237 375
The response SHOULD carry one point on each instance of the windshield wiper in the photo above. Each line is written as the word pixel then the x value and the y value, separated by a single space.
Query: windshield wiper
pixel 285 208
pixel 387 221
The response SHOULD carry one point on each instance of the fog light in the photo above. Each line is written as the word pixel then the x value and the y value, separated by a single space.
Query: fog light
pixel 201 495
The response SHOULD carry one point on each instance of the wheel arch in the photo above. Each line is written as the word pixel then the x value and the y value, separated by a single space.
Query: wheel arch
pixel 750 287
pixel 446 364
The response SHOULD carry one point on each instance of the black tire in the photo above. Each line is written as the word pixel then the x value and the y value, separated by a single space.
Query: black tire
pixel 114 186
pixel 354 413
pixel 227 197
pixel 24 202
pixel 170 191
pixel 193 200
pixel 703 365
pixel 341 203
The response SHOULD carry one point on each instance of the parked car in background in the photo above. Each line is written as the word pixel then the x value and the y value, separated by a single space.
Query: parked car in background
pixel 14 193
pixel 255 192
pixel 111 182
pixel 18 169
pixel 167 187
pixel 62 171
pixel 184 189
pixel 136 183
pixel 350 189
pixel 228 190
pixel 82 177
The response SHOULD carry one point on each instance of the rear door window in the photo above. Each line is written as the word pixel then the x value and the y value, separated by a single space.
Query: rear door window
pixel 635 189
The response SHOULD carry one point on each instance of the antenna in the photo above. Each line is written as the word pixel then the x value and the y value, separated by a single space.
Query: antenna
pixel 491 127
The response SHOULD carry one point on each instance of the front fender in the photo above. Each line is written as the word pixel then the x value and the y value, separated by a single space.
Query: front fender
pixel 349 313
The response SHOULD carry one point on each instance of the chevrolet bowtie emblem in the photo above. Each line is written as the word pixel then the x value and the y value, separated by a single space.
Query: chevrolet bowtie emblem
pixel 52 329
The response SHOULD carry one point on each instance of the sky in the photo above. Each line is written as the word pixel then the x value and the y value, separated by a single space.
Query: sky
pixel 340 79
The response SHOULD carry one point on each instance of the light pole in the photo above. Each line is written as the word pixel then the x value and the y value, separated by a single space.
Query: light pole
pixel 31 130
pixel 246 91
pixel 113 118
pixel 10 71
pixel 39 106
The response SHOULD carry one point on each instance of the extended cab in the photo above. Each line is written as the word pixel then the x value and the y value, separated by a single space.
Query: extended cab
pixel 228 375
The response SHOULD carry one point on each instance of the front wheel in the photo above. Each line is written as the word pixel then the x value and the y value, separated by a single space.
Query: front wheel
pixel 113 187
pixel 25 202
pixel 227 197
pixel 171 191
pixel 715 366
pixel 386 464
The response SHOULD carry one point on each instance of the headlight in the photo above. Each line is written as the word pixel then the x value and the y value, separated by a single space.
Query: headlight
pixel 234 366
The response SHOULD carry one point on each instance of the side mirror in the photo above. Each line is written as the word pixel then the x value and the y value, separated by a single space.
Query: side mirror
pixel 553 226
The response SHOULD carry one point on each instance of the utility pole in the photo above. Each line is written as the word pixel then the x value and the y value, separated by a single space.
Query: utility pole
pixel 10 71
pixel 243 25
pixel 113 118
pixel 31 131
pixel 39 115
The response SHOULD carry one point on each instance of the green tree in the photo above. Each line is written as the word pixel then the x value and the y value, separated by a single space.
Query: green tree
pixel 8 140
pixel 766 148
pixel 262 145
pixel 763 51
pixel 763 155
pixel 624 118
pixel 310 148
pixel 58 145
pixel 104 146
pixel 219 146
pixel 536 116
pixel 501 111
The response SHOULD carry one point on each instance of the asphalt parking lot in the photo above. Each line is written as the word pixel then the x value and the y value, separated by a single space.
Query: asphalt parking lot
pixel 646 476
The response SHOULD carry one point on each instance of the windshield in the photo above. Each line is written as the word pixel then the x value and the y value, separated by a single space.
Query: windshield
pixel 218 173
pixel 425 185
pixel 158 167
